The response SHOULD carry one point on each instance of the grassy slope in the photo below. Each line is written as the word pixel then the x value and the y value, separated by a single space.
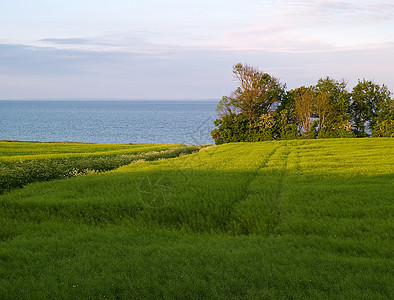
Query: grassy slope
pixel 290 219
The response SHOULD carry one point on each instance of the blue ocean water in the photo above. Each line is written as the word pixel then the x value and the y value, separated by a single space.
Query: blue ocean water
pixel 186 122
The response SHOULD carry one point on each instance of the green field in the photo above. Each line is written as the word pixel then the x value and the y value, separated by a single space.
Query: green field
pixel 300 219
pixel 17 151
pixel 22 163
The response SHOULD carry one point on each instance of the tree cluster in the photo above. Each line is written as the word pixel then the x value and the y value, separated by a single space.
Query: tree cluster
pixel 261 109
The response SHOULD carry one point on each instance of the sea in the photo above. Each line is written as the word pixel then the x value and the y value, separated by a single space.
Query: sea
pixel 109 121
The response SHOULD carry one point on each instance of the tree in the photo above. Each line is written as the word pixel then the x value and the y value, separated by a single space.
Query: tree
pixel 260 109
pixel 247 114
pixel 231 128
pixel 384 125
pixel 371 103
pixel 257 93
pixel 333 108
pixel 303 100
pixel 286 124
pixel 322 110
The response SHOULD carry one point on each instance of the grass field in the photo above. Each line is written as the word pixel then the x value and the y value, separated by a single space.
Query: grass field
pixel 16 151
pixel 302 219
pixel 22 163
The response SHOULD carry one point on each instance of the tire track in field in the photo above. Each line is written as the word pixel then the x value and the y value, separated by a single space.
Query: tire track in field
pixel 263 165
pixel 235 220
pixel 258 212
pixel 260 168
pixel 280 191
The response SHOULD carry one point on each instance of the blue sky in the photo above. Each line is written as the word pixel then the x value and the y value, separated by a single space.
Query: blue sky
pixel 176 49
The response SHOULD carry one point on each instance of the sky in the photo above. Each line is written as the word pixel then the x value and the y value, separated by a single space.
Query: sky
pixel 178 49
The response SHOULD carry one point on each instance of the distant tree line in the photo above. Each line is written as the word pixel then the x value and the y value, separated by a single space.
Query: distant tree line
pixel 261 109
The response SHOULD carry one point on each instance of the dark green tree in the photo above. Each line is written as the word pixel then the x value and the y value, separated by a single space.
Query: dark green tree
pixel 332 113
pixel 260 109
pixel 371 105
pixel 286 125
pixel 303 98
pixel 254 102
pixel 257 93
pixel 384 126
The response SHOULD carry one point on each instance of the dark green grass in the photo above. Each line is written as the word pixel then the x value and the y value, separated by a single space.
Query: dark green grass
pixel 128 262
pixel 276 220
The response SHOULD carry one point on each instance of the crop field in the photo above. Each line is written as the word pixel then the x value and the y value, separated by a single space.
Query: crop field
pixel 299 219
pixel 22 163
pixel 16 151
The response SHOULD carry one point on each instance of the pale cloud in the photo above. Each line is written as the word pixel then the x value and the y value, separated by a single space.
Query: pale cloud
pixel 315 26
pixel 328 9
pixel 37 72
pixel 268 25
pixel 359 10
pixel 68 41
pixel 183 49
pixel 141 43
pixel 276 38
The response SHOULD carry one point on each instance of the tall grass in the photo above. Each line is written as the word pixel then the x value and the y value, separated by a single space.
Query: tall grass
pixel 18 170
pixel 16 151
pixel 273 220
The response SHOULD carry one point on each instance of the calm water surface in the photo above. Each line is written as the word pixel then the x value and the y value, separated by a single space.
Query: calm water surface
pixel 187 122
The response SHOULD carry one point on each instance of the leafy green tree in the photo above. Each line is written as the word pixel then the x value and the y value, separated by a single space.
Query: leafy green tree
pixel 303 98
pixel 266 127
pixel 333 108
pixel 260 109
pixel 231 128
pixel 285 125
pixel 249 108
pixel 371 105
pixel 257 93
pixel 238 128
pixel 322 111
pixel 384 126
